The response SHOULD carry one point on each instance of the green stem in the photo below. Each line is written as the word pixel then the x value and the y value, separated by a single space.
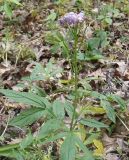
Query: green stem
pixel 76 80
pixel 113 14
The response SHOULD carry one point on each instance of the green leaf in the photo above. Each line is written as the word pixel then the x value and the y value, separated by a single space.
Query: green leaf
pixel 8 153
pixel 18 155
pixel 93 110
pixel 14 1
pixel 68 148
pixel 41 73
pixel 69 108
pixel 27 141
pixel 88 153
pixel 94 43
pixel 7 150
pixel 98 95
pixel 119 100
pixel 54 138
pixel 50 127
pixel 8 147
pixel 103 38
pixel 27 117
pixel 37 73
pixel 51 17
pixel 108 20
pixel 58 109
pixel 109 110
pixel 7 9
pixel 55 48
pixel 85 158
pixel 39 91
pixel 80 56
pixel 93 123
pixel 93 56
pixel 26 98
pixel 90 139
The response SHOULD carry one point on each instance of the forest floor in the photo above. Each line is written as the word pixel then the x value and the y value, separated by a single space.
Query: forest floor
pixel 23 42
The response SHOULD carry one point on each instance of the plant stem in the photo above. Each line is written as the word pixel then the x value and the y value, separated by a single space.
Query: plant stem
pixel 75 78
pixel 113 5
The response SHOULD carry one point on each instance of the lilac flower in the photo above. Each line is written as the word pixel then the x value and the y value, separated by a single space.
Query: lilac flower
pixel 72 19
pixel 81 17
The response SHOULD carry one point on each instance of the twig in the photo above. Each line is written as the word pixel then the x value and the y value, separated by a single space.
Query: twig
pixel 122 122
pixel 5 126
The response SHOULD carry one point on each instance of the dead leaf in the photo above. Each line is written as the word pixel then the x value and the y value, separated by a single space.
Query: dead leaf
pixel 100 149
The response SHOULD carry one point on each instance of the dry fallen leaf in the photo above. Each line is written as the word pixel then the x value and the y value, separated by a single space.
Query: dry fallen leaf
pixel 100 149
pixel 111 156
pixel 109 143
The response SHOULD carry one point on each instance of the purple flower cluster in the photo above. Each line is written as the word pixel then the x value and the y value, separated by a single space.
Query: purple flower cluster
pixel 72 19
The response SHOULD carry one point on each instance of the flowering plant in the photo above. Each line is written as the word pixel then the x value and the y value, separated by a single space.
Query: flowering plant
pixel 72 21
pixel 70 135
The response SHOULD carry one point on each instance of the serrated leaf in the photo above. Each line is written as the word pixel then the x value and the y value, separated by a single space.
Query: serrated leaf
pixel 100 149
pixel 119 100
pixel 98 95
pixel 93 123
pixel 58 109
pixel 25 98
pixel 109 110
pixel 27 117
pixel 68 148
pixel 50 127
